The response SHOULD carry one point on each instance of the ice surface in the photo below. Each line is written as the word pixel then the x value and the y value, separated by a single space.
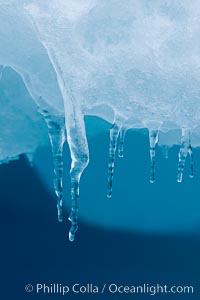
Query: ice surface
pixel 22 128
pixel 22 50
pixel 140 59
pixel 134 63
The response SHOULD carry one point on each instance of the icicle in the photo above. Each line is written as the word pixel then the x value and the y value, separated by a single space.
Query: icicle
pixel 184 150
pixel 114 133
pixel 165 151
pixel 56 132
pixel 153 139
pixel 30 158
pixel 191 175
pixel 121 142
pixel 1 74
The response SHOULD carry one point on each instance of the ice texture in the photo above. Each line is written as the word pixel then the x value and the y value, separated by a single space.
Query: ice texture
pixel 22 128
pixel 134 63
pixel 22 50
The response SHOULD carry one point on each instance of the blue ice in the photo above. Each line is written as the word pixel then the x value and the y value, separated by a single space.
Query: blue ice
pixel 135 64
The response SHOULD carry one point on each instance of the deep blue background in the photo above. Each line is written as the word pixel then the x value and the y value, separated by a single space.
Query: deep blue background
pixel 35 249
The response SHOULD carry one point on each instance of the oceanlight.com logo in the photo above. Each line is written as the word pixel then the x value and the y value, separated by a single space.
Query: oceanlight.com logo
pixel 113 288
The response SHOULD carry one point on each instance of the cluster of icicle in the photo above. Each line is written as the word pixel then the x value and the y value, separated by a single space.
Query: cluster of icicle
pixel 55 34
pixel 118 133
pixel 57 135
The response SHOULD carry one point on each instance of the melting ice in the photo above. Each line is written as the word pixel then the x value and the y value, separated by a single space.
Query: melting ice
pixel 134 63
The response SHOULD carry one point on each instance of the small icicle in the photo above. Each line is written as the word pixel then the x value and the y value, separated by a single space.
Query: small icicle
pixel 56 132
pixel 1 72
pixel 122 135
pixel 153 139
pixel 114 133
pixel 191 175
pixel 165 151
pixel 184 150
pixel 30 158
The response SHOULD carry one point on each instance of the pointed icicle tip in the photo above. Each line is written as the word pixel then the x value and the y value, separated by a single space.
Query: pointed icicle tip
pixel 74 226
pixel 71 237
pixel 30 158
pixel 73 218
pixel 153 139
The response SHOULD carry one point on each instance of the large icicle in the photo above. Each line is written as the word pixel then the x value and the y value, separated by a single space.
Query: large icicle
pixel 153 139
pixel 55 124
pixel 184 150
pixel 122 135
pixel 114 133
pixel 49 23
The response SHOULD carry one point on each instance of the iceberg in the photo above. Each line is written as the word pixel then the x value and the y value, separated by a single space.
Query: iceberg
pixel 135 64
